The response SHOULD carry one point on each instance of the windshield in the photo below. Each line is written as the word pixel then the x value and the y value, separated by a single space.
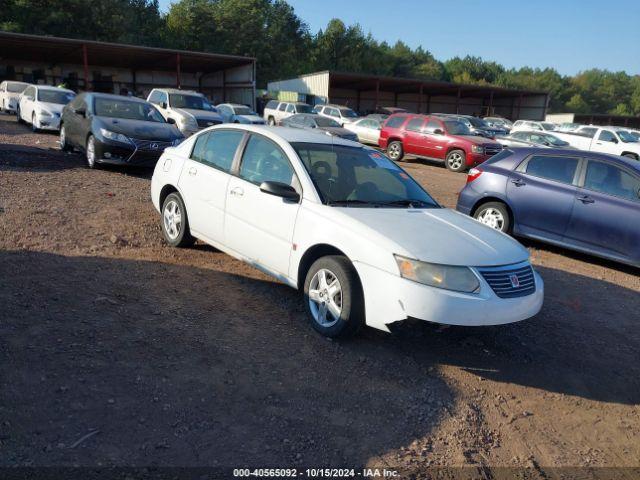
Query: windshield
pixel 348 113
pixel 555 141
pixel 548 126
pixel 55 96
pixel 477 122
pixel 14 87
pixel 302 108
pixel 455 127
pixel 361 177
pixel 107 107
pixel 194 102
pixel 626 137
pixel 326 122
pixel 243 111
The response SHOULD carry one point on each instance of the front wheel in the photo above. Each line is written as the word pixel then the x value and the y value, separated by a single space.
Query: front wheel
pixel 271 122
pixel 34 127
pixel 175 223
pixel 18 117
pixel 632 156
pixel 64 144
pixel 333 297
pixel 395 151
pixel 494 215
pixel 456 161
pixel 90 152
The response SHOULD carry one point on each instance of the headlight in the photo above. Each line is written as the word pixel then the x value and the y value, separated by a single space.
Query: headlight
pixel 477 148
pixel 459 279
pixel 118 137
pixel 44 113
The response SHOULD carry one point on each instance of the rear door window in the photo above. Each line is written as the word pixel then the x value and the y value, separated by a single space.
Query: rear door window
pixel 395 122
pixel 556 168
pixel 415 125
pixel 611 180
pixel 282 107
pixel 218 149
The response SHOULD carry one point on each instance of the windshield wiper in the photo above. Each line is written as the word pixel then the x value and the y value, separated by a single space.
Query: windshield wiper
pixel 350 202
pixel 408 202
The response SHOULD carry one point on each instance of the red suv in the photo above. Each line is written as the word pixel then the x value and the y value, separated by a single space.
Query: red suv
pixel 435 138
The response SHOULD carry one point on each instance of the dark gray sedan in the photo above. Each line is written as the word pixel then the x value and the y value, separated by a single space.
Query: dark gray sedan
pixel 311 121
pixel 533 139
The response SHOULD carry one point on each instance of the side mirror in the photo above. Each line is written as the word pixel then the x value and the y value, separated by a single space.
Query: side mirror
pixel 172 121
pixel 281 190
pixel 163 105
pixel 80 111
pixel 438 131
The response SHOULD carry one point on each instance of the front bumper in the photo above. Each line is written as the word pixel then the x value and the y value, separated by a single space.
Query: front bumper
pixel 474 159
pixel 116 153
pixel 390 298
pixel 51 122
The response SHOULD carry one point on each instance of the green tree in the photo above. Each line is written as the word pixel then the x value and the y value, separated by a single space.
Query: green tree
pixel 578 105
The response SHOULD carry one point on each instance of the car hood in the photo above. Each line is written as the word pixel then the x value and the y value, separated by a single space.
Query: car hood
pixel 51 107
pixel 439 235
pixel 163 132
pixel 477 139
pixel 337 131
pixel 200 114
pixel 251 118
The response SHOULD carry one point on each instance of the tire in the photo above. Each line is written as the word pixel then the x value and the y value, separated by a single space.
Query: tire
pixel 632 156
pixel 347 301
pixel 64 144
pixel 495 215
pixel 90 152
pixel 395 151
pixel 271 122
pixel 33 123
pixel 456 161
pixel 179 236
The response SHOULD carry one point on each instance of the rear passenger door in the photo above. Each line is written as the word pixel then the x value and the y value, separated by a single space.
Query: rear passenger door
pixel 541 192
pixel 435 143
pixel 606 215
pixel 415 143
pixel 204 179
pixel 260 226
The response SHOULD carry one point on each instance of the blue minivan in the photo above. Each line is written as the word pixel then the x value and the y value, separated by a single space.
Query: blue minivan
pixel 581 200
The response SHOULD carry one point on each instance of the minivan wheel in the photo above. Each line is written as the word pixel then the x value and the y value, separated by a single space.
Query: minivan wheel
pixel 175 223
pixel 91 152
pixel 271 121
pixel 333 297
pixel 494 215
pixel 395 151
pixel 456 161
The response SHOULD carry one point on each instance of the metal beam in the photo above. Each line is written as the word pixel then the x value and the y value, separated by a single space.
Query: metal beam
pixel 85 63
pixel 177 70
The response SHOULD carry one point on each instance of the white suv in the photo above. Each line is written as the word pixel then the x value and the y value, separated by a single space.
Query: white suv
pixel 9 94
pixel 339 113
pixel 41 106
pixel 189 110
pixel 363 241
pixel 275 111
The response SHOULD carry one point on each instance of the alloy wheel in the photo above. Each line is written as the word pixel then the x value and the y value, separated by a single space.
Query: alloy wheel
pixel 172 217
pixel 91 152
pixel 63 138
pixel 455 161
pixel 325 298
pixel 491 217
pixel 394 151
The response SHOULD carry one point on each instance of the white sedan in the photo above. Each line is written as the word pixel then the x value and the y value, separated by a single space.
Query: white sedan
pixel 367 130
pixel 345 225
pixel 41 106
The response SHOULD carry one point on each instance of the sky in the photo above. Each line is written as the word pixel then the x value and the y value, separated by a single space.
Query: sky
pixel 568 35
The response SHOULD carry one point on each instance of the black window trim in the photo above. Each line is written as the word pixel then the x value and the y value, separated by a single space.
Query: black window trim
pixel 522 167
pixel 624 168
pixel 237 161
pixel 235 155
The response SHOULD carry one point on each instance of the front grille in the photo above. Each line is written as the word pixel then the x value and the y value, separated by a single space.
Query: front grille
pixel 511 281
pixel 150 145
pixel 492 149
pixel 204 123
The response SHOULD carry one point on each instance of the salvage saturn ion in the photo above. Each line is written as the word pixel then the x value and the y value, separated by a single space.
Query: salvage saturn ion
pixel 343 224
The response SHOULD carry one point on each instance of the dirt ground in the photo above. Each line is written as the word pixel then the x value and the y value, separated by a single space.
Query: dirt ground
pixel 116 350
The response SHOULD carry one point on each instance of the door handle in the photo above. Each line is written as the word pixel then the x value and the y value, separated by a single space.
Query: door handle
pixel 518 182
pixel 586 199
pixel 238 192
pixel 193 171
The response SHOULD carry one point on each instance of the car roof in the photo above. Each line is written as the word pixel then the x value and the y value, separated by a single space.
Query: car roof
pixel 177 90
pixel 291 135
pixel 233 105
pixel 111 96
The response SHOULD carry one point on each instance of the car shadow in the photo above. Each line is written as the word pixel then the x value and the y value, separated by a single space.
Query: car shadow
pixel 22 157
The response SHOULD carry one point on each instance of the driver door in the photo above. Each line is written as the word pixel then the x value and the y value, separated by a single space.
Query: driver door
pixel 607 142
pixel 260 226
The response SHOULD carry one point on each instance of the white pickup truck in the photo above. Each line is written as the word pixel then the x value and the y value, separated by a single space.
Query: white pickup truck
pixel 612 140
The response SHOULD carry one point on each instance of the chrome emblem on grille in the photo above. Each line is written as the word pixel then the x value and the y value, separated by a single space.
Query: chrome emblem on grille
pixel 515 281
pixel 154 146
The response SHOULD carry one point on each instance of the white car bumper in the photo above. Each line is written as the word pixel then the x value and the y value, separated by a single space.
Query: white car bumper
pixel 390 298
pixel 10 104
pixel 48 122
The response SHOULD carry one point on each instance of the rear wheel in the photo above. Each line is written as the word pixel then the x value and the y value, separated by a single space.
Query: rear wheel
pixel 494 215
pixel 18 114
pixel 395 151
pixel 271 121
pixel 333 297
pixel 175 223
pixel 456 161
